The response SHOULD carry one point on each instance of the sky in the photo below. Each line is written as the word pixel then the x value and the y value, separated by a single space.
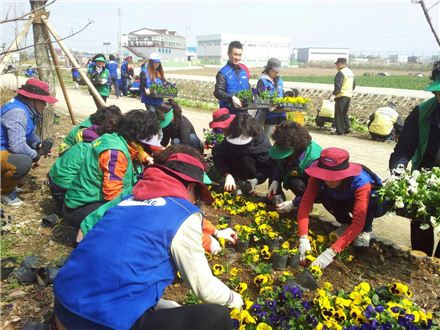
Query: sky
pixel 365 27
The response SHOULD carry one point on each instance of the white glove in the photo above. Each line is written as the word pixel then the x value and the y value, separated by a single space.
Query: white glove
pixel 237 300
pixel 103 81
pixel 227 234
pixel 331 98
pixel 253 183
pixel 215 247
pixel 147 91
pixel 165 304
pixel 304 246
pixel 273 188
pixel 230 183
pixel 285 207
pixel 236 101
pixel 324 259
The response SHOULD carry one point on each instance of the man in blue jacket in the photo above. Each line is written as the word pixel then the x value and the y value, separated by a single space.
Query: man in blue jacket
pixel 112 67
pixel 231 79
pixel 20 147
pixel 125 74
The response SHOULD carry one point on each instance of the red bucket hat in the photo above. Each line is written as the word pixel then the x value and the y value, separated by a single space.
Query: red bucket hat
pixel 221 118
pixel 333 165
pixel 189 169
pixel 38 90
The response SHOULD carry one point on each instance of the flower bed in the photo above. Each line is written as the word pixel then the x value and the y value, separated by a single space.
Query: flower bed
pixel 167 90
pixel 360 290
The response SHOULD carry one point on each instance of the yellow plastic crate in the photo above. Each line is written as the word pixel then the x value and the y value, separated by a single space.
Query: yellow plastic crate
pixel 297 117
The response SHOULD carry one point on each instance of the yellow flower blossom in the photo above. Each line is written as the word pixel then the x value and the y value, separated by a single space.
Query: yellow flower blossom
pixel 218 269
pixel 316 271
pixel 328 286
pixel 273 215
pixel 285 245
pixel 251 250
pixel 263 326
pixel 248 304
pixel 320 239
pixel 363 288
pixel 242 287
pixel 255 257
pixel 234 271
pixel 265 289
pixel 310 258
pixel 222 226
pixel 260 280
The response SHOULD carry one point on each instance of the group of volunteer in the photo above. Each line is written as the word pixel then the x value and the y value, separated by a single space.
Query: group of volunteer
pixel 117 179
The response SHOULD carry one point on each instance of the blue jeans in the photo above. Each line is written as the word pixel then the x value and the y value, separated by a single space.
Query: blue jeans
pixel 194 141
pixel 114 81
pixel 125 86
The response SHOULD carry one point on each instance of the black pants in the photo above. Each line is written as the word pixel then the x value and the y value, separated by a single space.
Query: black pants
pixel 190 317
pixel 57 193
pixel 296 184
pixel 340 209
pixel 74 217
pixel 342 122
pixel 423 240
pixel 250 167
pixel 381 138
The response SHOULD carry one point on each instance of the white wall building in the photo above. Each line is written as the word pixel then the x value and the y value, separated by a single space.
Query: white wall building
pixel 170 45
pixel 256 49
pixel 322 54
pixel 399 59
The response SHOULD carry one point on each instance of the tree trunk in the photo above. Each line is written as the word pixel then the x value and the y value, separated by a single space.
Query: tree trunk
pixel 44 68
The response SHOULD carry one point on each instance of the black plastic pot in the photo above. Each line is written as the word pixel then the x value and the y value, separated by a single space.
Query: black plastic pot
pixel 242 246
pixel 7 266
pixel 293 261
pixel 279 261
pixel 273 244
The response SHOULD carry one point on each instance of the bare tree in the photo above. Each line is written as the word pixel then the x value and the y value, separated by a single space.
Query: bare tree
pixel 44 67
pixel 428 18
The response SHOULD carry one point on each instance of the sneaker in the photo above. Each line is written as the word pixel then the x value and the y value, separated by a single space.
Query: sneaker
pixel 332 129
pixel 363 240
pixel 12 199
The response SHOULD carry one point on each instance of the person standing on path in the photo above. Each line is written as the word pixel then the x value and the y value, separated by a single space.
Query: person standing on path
pixel 419 142
pixel 125 74
pixel 152 75
pixel 99 75
pixel 271 82
pixel 231 79
pixel 342 94
pixel 112 67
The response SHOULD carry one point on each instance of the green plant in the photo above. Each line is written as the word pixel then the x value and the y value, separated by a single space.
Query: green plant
pixel 191 299
pixel 245 96
pixel 166 89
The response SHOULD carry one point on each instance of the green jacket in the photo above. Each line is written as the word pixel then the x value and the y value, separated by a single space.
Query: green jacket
pixel 425 110
pixel 65 168
pixel 87 186
pixel 311 154
pixel 103 89
pixel 74 136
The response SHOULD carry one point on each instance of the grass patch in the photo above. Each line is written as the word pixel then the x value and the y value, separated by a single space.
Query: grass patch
pixel 401 82
pixel 198 104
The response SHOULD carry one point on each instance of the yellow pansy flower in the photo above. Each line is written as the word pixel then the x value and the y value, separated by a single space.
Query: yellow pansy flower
pixel 263 326
pixel 218 269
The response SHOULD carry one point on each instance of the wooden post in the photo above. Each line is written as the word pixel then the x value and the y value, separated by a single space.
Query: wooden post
pixel 44 66
pixel 60 78
pixel 74 62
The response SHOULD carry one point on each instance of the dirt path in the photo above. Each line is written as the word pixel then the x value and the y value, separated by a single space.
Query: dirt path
pixel 375 155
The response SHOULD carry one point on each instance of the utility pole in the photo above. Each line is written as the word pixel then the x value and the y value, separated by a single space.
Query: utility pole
pixel 44 66
pixel 120 35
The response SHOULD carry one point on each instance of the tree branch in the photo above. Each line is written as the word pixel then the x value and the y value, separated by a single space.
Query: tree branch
pixel 425 11
pixel 48 40
pixel 22 17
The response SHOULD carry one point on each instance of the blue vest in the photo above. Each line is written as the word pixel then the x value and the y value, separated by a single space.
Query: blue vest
pixel 13 104
pixel 267 83
pixel 349 191
pixel 147 99
pixel 124 68
pixel 123 265
pixel 235 82
pixel 112 67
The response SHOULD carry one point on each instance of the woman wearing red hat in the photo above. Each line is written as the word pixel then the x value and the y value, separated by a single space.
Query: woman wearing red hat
pixel 20 146
pixel 122 267
pixel 343 188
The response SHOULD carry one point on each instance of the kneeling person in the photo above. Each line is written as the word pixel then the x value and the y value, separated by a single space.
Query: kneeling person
pixel 122 267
